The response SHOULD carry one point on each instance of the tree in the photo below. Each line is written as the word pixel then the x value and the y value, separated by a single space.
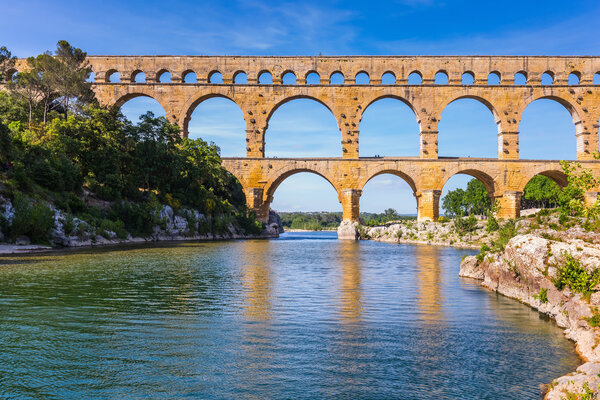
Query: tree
pixel 70 78
pixel 472 201
pixel 27 87
pixel 7 63
pixel 540 192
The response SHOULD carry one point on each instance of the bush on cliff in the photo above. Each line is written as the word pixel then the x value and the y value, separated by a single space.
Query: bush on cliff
pixel 571 274
pixel 31 218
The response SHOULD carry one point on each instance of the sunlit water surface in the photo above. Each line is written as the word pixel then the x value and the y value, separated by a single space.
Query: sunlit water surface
pixel 304 316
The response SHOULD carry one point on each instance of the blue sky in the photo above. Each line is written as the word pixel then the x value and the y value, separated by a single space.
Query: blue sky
pixel 339 27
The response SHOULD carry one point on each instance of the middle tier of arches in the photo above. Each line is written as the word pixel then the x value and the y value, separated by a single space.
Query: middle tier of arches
pixel 348 104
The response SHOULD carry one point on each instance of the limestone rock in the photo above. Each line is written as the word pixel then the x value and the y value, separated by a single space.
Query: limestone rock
pixel 348 230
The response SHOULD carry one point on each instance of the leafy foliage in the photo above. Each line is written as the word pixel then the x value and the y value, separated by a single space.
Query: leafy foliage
pixel 56 143
pixel 472 201
pixel 571 274
pixel 540 192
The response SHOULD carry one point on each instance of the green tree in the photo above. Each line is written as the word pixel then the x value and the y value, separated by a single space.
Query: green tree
pixel 7 63
pixel 472 201
pixel 540 192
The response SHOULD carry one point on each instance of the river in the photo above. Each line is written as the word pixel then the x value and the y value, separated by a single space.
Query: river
pixel 303 316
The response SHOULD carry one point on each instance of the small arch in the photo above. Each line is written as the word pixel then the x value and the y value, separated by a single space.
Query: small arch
pixel 265 78
pixel 113 76
pixel 11 75
pixel 362 78
pixel 548 78
pixel 468 78
pixel 91 77
pixel 215 77
pixel 189 76
pixel 337 78
pixel 441 78
pixel 138 76
pixel 289 78
pixel 313 78
pixel 521 78
pixel 163 76
pixel 596 78
pixel 415 78
pixel 494 78
pixel 388 78
pixel 240 78
pixel 574 78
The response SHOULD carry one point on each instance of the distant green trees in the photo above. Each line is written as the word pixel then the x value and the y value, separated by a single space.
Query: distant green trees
pixel 474 200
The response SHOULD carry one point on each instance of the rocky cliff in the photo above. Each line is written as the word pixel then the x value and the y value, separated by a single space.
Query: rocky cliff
pixel 550 275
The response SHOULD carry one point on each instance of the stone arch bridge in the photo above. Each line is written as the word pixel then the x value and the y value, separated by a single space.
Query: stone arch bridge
pixel 570 82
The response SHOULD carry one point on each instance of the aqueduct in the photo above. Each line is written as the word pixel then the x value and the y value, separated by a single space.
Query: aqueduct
pixel 571 83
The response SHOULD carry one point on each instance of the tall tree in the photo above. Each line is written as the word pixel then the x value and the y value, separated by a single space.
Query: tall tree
pixel 26 87
pixel 70 81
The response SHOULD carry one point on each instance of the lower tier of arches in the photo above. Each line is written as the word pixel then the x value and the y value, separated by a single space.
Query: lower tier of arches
pixel 504 180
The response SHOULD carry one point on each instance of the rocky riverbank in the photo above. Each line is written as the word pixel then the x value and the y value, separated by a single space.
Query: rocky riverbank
pixel 68 231
pixel 414 232
pixel 550 274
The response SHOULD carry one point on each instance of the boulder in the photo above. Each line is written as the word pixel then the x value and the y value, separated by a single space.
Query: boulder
pixel 348 230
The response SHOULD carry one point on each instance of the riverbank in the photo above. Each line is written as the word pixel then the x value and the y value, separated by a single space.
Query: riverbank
pixel 186 225
pixel 558 276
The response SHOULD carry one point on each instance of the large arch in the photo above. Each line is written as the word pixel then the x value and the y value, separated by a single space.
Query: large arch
pixel 557 175
pixel 389 188
pixel 133 106
pixel 191 106
pixel 272 186
pixel 300 122
pixel 220 120
pixel 482 176
pixel 389 126
pixel 461 180
pixel 468 116
pixel 546 134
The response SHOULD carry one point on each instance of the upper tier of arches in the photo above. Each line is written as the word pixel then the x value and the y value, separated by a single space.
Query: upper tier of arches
pixel 493 70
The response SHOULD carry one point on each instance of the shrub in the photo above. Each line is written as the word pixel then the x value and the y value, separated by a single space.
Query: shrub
pixel 139 219
pixel 465 225
pixel 32 219
pixel 505 233
pixel 594 320
pixel 573 275
pixel 68 224
pixel 542 296
pixel 492 224
pixel 443 219
pixel 248 222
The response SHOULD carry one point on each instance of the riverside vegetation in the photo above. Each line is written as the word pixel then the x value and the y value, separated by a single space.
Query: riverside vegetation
pixel 72 172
